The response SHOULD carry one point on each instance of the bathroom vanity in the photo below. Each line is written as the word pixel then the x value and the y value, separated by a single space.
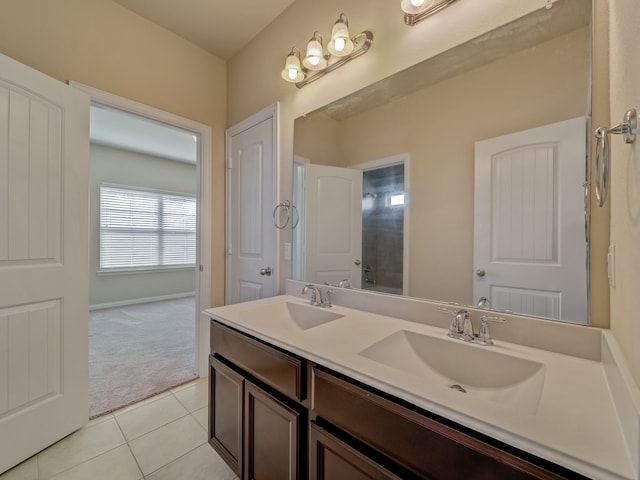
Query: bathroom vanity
pixel 300 391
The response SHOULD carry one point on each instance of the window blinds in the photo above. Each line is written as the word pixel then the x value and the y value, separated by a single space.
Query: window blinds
pixel 145 229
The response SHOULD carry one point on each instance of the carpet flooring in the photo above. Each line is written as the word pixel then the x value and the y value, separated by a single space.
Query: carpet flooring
pixel 138 351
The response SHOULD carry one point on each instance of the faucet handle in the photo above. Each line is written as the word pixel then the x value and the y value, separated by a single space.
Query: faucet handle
pixel 326 298
pixel 484 338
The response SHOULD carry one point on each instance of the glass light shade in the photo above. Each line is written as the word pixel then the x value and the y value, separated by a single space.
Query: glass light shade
pixel 314 60
pixel 341 43
pixel 292 71
pixel 415 6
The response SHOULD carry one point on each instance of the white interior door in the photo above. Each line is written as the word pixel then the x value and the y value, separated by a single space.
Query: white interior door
pixel 44 149
pixel 529 246
pixel 333 209
pixel 251 187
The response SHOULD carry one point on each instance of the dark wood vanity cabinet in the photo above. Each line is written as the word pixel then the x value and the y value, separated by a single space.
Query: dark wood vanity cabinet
pixel 416 445
pixel 264 426
pixel 272 437
pixel 256 422
pixel 333 459
pixel 226 413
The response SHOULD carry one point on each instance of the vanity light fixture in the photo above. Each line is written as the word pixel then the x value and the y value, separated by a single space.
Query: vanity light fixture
pixel 292 71
pixel 316 63
pixel 416 10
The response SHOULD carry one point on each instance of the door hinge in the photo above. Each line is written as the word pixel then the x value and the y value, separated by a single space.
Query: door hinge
pixel 229 163
pixel 229 250
pixel 201 267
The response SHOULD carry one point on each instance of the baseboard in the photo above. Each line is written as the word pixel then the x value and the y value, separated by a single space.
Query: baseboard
pixel 135 301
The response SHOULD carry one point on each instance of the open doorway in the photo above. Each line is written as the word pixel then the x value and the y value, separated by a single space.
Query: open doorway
pixel 383 229
pixel 146 293
pixel 385 239
pixel 142 258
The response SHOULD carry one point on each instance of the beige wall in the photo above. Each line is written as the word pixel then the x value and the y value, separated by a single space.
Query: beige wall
pixel 103 45
pixel 438 127
pixel 625 181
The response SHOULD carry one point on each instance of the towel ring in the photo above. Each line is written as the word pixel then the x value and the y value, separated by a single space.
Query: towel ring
pixel 292 216
pixel 602 165
pixel 628 129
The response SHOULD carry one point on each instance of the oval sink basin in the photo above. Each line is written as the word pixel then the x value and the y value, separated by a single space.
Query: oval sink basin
pixel 470 369
pixel 290 314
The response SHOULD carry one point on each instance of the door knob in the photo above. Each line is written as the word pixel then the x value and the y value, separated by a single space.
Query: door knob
pixel 266 271
pixel 357 263
pixel 480 272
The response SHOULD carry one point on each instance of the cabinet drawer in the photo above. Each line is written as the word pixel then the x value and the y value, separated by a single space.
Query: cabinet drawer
pixel 278 369
pixel 421 444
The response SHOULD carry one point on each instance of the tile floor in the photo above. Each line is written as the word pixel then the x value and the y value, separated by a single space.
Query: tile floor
pixel 162 438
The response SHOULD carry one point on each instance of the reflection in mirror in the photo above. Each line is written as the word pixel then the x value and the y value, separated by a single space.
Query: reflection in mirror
pixel 491 139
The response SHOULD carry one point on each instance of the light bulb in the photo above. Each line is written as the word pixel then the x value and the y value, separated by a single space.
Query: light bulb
pixel 339 44
pixel 417 3
pixel 292 73
pixel 313 60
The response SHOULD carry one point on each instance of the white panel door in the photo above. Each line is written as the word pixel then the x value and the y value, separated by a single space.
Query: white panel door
pixel 333 209
pixel 44 148
pixel 529 246
pixel 252 236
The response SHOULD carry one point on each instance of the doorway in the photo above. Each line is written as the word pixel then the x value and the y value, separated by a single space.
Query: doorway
pixel 385 236
pixel 149 243
pixel 383 203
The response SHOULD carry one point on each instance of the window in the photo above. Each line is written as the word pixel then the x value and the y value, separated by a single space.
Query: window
pixel 395 199
pixel 146 229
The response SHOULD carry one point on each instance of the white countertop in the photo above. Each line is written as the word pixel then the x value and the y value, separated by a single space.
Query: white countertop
pixel 575 423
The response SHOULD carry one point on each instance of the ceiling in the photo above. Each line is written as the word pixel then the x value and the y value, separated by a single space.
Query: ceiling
pixel 221 27
pixel 116 128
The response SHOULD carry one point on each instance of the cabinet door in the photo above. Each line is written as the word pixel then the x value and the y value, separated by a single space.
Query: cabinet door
pixel 226 391
pixel 272 437
pixel 332 459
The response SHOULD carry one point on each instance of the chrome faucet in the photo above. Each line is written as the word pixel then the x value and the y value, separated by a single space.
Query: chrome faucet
pixel 461 326
pixel 319 298
pixel 483 302
pixel 460 323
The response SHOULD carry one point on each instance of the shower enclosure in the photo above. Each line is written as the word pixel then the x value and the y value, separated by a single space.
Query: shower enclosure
pixel 383 209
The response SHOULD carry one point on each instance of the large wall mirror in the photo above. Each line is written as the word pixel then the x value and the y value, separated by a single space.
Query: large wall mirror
pixel 460 179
